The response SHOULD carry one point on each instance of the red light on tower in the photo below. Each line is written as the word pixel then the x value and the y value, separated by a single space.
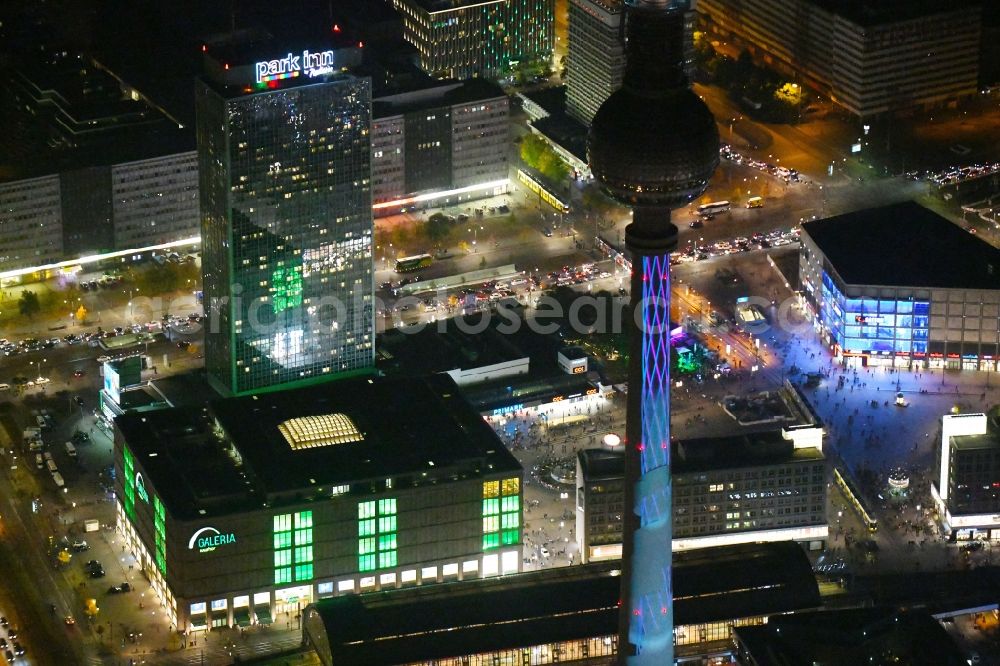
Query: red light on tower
pixel 226 66
pixel 336 28
pixel 361 45
pixel 204 48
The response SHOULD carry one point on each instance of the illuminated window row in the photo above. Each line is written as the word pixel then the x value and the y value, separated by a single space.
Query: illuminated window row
pixel 293 547
pixel 377 538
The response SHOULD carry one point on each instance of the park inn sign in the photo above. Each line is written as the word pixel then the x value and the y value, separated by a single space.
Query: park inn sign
pixel 208 539
pixel 310 64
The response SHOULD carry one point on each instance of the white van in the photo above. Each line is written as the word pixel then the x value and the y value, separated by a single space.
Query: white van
pixel 51 464
pixel 70 450
pixel 39 463
pixel 57 478
pixel 4 387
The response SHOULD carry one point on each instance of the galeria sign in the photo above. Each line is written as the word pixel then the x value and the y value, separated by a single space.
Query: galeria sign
pixel 208 539
pixel 312 64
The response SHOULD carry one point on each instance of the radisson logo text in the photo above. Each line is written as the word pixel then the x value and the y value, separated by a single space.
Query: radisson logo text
pixel 208 539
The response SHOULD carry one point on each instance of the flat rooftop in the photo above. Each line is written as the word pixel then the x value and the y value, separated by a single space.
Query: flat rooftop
pixel 874 12
pixel 905 245
pixel 458 343
pixel 434 94
pixel 568 603
pixel 746 450
pixel 309 440
pixel 705 454
pixel 853 636
pixel 432 6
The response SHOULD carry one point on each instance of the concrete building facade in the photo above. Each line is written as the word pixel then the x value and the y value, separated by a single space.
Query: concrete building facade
pixel 870 58
pixel 596 58
pixel 443 144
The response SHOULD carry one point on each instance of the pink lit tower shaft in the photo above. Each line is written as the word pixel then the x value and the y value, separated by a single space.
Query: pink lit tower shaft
pixel 653 145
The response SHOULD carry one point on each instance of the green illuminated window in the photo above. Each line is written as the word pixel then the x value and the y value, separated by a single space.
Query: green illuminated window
pixel 501 511
pixel 366 509
pixel 303 519
pixel 377 541
pixel 128 468
pixel 292 548
pixel 159 526
pixel 287 288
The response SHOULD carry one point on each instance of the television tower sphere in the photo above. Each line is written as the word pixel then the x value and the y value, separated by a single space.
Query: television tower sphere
pixel 653 143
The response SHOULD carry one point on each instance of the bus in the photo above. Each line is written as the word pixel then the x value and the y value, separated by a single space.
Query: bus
pixel 407 264
pixel 713 208
pixel 534 183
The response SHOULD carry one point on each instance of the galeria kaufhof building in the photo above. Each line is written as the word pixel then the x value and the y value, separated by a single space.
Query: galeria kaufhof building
pixel 902 286
pixel 250 507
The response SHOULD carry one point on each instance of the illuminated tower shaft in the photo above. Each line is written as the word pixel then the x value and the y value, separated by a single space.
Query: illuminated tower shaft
pixel 653 145
pixel 648 522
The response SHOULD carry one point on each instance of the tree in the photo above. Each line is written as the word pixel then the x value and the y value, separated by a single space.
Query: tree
pixel 81 315
pixel 28 304
pixel 437 227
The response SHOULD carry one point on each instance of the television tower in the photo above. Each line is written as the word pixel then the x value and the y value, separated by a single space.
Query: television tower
pixel 653 146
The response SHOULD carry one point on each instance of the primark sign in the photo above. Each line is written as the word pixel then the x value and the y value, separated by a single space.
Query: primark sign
pixel 291 66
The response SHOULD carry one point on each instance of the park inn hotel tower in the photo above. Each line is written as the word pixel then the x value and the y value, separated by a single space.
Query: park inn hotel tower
pixel 286 214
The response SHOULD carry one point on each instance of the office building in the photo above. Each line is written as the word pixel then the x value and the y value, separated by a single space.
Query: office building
pixel 561 615
pixel 439 144
pixel 901 286
pixel 596 59
pixel 462 39
pixel 966 487
pixel 765 486
pixel 868 57
pixel 284 165
pixel 30 222
pixel 252 506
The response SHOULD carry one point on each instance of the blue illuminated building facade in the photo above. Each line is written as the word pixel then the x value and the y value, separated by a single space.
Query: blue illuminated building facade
pixel 901 286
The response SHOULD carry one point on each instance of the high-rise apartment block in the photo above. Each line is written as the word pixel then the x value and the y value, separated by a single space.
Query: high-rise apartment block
pixel 469 38
pixel 285 184
pixel 596 55
pixel 869 57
